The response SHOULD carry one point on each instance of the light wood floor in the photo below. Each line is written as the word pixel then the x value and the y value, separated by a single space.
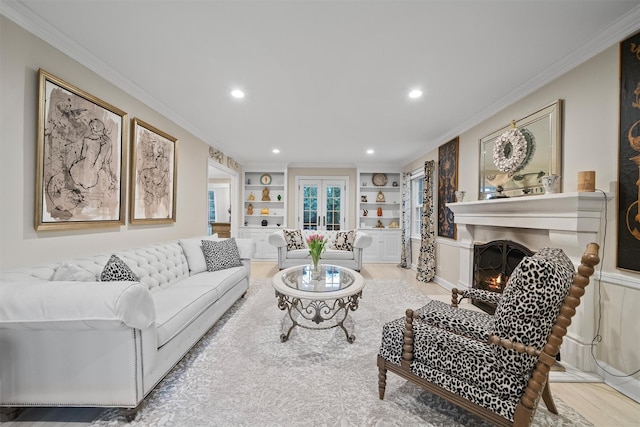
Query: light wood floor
pixel 597 402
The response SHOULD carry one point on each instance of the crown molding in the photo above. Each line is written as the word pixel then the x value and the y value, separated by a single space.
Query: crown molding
pixel 613 34
pixel 30 21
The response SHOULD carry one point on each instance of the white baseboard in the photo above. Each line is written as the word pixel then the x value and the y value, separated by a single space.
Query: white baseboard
pixel 629 386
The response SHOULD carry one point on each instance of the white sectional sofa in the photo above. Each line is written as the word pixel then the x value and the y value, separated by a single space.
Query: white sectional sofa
pixel 346 255
pixel 69 339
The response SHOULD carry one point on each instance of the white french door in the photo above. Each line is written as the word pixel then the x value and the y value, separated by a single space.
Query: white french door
pixel 321 204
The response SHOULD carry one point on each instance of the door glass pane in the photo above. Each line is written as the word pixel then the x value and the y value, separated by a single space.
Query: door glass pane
pixel 310 208
pixel 333 202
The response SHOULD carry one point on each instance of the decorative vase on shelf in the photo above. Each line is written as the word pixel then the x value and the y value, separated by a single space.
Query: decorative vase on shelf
pixel 551 183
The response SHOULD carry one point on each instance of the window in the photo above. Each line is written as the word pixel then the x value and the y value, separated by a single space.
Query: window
pixel 417 182
pixel 212 208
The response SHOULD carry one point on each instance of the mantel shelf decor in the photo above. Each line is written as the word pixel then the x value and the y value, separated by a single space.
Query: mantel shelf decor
pixel 515 157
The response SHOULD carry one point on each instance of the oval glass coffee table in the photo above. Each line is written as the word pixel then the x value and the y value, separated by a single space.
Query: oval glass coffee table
pixel 313 297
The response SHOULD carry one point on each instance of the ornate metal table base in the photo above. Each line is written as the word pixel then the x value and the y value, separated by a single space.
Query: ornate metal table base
pixel 318 311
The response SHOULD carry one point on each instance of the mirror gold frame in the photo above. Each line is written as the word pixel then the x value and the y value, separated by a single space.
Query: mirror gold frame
pixel 545 125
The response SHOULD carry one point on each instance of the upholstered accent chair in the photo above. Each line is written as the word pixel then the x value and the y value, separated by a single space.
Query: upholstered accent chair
pixel 496 366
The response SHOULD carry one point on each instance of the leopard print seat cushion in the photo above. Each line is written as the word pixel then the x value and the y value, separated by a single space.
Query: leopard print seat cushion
pixel 459 364
pixel 472 324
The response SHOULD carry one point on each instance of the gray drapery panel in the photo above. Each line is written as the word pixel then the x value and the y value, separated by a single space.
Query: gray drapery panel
pixel 427 256
pixel 405 255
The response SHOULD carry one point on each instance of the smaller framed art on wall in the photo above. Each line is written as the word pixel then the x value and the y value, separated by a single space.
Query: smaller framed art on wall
pixel 154 158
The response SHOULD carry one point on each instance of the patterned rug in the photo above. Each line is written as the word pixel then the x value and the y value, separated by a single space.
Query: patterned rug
pixel 240 374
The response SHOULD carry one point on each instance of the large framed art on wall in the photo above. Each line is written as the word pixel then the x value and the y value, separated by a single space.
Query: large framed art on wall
pixel 154 159
pixel 79 158
pixel 629 156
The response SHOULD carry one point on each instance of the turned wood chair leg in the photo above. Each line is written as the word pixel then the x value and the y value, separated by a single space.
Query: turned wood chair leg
pixel 548 399
pixel 382 378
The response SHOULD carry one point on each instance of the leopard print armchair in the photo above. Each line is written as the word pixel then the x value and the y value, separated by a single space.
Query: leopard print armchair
pixel 494 366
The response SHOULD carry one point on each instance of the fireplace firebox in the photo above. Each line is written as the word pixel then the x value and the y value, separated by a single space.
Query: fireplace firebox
pixel 493 263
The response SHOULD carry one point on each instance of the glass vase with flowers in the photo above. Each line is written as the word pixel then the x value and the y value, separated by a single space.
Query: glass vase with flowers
pixel 316 243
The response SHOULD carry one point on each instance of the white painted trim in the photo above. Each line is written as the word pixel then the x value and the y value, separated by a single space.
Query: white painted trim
pixel 618 279
pixel 617 31
pixel 626 385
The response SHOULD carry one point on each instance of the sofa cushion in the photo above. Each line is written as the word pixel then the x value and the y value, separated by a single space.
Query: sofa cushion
pixel 294 239
pixel 221 255
pixel 117 270
pixel 299 254
pixel 192 249
pixel 72 272
pixel 330 254
pixel 177 307
pixel 221 280
pixel 344 240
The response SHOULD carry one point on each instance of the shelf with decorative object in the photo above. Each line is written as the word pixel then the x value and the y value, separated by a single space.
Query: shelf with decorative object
pixel 379 213
pixel 264 204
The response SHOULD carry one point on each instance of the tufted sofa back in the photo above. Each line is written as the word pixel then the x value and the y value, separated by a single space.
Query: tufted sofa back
pixel 330 235
pixel 157 266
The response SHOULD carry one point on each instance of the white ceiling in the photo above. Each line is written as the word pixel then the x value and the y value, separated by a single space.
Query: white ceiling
pixel 326 80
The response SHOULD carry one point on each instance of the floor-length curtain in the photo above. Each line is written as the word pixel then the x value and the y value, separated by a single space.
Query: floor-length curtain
pixel 427 256
pixel 405 255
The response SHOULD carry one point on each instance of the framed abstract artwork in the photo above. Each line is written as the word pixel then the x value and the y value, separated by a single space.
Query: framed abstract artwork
pixel 154 158
pixel 79 158
pixel 629 156
pixel 447 186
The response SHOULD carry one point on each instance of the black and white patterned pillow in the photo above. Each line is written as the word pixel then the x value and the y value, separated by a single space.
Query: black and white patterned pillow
pixel 116 270
pixel 294 239
pixel 221 255
pixel 344 240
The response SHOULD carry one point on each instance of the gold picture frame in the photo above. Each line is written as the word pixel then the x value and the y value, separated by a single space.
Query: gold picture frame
pixel 80 158
pixel 154 159
pixel 545 126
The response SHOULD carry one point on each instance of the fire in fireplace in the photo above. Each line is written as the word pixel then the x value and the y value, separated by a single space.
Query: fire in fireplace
pixel 493 263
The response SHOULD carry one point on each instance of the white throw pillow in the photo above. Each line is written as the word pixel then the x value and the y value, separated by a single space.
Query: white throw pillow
pixel 71 272
pixel 192 249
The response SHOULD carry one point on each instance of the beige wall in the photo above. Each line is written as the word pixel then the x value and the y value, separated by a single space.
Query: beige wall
pixel 22 54
pixel 591 95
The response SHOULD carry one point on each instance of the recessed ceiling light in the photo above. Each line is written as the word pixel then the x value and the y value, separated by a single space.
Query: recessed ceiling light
pixel 237 93
pixel 275 151
pixel 415 93
pixel 370 151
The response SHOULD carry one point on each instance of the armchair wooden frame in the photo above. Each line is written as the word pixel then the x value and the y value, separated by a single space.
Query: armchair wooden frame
pixel 538 385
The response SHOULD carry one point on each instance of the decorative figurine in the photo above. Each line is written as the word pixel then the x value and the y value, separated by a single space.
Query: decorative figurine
pixel 365 212
pixel 251 197
pixel 250 209
pixel 265 195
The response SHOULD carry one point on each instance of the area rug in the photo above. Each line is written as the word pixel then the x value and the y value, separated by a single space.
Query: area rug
pixel 241 374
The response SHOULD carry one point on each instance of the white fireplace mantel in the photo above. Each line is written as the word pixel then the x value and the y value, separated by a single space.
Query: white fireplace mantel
pixel 570 220
pixel 578 212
